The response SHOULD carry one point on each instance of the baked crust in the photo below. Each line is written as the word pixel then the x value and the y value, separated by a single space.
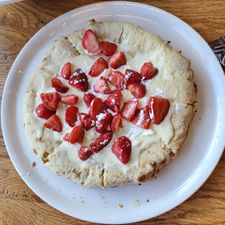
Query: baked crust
pixel 181 90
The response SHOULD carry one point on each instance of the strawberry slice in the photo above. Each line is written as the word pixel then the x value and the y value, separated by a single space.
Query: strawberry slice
pixel 86 121
pixel 97 106
pixel 101 86
pixel 58 85
pixel 71 115
pixel 137 90
pixel 98 67
pixel 79 80
pixel 43 112
pixel 142 118
pixel 107 48
pixel 90 42
pixel 158 107
pixel 84 153
pixel 102 122
pixel 148 71
pixel 113 101
pixel 50 100
pixel 66 71
pixel 122 149
pixel 76 135
pixel 132 76
pixel 117 59
pixel 69 99
pixel 116 78
pixel 129 109
pixel 101 142
pixel 88 98
pixel 116 122
pixel 54 123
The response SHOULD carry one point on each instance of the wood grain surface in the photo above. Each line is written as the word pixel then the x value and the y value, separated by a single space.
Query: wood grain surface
pixel 18 204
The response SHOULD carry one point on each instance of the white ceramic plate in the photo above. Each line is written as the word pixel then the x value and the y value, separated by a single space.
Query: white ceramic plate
pixel 177 181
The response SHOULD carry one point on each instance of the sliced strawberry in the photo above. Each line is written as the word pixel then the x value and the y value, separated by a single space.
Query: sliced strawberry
pixel 117 59
pixel 86 121
pixel 69 99
pixel 102 122
pixel 148 71
pixel 101 86
pixel 142 118
pixel 79 80
pixel 98 67
pixel 71 115
pixel 129 109
pixel 84 153
pixel 113 101
pixel 158 107
pixel 54 123
pixel 122 149
pixel 137 90
pixel 97 106
pixel 101 142
pixel 76 135
pixel 90 42
pixel 66 71
pixel 117 79
pixel 107 48
pixel 58 85
pixel 88 98
pixel 50 100
pixel 132 76
pixel 43 112
pixel 116 122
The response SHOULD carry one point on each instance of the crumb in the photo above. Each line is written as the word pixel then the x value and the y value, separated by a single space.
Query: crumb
pixel 200 118
pixel 120 206
pixel 139 184
pixel 27 174
pixel 147 200
pixel 33 164
pixel 180 51
pixel 168 42
pixel 82 201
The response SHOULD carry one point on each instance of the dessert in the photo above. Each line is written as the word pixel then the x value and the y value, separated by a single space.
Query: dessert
pixel 109 105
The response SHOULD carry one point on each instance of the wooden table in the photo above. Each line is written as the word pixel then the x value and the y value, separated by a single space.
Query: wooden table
pixel 18 204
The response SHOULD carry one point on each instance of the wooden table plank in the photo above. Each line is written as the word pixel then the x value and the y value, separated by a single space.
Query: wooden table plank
pixel 18 204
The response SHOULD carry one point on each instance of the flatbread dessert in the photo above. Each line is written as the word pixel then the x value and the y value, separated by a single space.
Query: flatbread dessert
pixel 109 105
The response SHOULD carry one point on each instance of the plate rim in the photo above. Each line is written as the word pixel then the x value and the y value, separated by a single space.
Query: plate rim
pixel 11 73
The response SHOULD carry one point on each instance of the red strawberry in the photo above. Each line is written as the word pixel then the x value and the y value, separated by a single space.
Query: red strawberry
pixel 76 135
pixel 116 78
pixel 69 99
pixel 142 118
pixel 90 42
pixel 129 109
pixel 116 122
pixel 158 107
pixel 79 80
pixel 71 115
pixel 101 86
pixel 97 106
pixel 107 48
pixel 117 59
pixel 148 71
pixel 88 98
pixel 53 123
pixel 113 101
pixel 58 85
pixel 98 67
pixel 122 149
pixel 137 90
pixel 43 112
pixel 101 142
pixel 102 122
pixel 50 100
pixel 66 71
pixel 86 121
pixel 132 76
pixel 84 153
